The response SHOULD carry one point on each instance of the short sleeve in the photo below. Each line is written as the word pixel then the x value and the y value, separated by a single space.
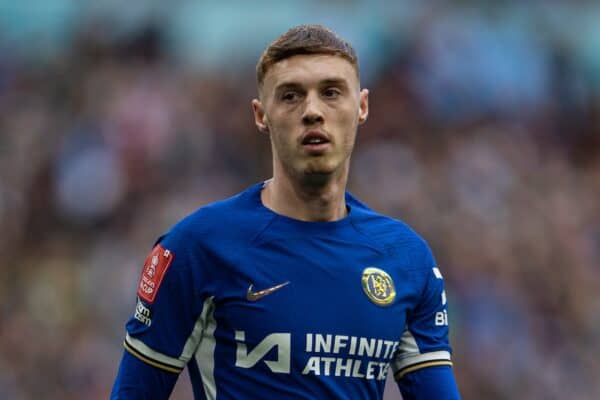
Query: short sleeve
pixel 167 323
pixel 424 342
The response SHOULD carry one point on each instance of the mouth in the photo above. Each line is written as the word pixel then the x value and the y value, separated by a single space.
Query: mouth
pixel 315 142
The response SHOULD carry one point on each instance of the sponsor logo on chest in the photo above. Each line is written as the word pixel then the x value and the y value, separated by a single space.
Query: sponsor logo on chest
pixel 328 354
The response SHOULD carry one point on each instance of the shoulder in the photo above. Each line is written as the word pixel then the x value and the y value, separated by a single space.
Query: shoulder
pixel 393 235
pixel 231 218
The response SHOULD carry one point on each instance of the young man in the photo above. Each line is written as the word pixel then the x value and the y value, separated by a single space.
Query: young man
pixel 293 289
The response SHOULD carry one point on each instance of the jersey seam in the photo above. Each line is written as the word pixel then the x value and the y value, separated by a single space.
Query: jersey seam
pixel 255 237
pixel 377 246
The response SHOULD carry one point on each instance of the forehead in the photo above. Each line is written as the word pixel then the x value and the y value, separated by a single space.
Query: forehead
pixel 310 69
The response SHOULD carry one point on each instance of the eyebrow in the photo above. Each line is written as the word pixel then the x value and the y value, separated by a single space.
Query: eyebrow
pixel 334 82
pixel 323 82
pixel 287 85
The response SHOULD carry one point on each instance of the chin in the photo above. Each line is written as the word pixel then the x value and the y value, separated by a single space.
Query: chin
pixel 319 167
pixel 316 179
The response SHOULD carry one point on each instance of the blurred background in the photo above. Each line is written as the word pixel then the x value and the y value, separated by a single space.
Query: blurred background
pixel 119 118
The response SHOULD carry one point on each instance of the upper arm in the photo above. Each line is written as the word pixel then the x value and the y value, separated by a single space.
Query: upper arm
pixel 424 343
pixel 166 326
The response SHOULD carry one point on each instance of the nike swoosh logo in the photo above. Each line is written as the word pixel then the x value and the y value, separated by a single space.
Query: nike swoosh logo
pixel 253 296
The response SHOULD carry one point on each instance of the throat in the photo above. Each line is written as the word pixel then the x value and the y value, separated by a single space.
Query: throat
pixel 308 200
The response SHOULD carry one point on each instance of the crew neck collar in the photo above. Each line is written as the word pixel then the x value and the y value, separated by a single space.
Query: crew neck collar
pixel 256 191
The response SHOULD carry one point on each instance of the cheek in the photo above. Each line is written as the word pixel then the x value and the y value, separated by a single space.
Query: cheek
pixel 282 135
pixel 283 125
pixel 285 128
pixel 282 120
pixel 347 121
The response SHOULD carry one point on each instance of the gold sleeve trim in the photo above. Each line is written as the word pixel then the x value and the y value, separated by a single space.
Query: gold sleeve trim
pixel 156 364
pixel 400 374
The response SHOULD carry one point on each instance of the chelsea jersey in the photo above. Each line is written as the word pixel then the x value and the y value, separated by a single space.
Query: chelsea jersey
pixel 260 306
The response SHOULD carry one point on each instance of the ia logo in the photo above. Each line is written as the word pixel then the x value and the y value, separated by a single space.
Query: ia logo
pixel 244 359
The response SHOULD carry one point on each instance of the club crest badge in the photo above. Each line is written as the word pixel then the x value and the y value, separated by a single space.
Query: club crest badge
pixel 378 286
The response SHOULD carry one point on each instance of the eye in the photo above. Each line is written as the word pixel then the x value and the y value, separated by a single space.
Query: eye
pixel 332 93
pixel 290 96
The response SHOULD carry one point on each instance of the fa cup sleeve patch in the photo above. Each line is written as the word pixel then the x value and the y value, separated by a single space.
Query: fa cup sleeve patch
pixel 155 268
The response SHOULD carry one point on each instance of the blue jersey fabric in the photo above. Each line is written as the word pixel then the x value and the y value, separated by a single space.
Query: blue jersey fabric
pixel 434 383
pixel 258 305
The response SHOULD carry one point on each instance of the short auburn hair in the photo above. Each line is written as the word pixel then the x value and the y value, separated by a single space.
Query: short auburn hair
pixel 304 39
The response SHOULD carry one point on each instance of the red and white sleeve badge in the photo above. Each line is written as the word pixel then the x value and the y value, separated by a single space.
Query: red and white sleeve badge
pixel 155 268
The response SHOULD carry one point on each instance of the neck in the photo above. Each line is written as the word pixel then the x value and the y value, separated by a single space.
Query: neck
pixel 312 198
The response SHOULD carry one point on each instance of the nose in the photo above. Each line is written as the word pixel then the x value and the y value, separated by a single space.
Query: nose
pixel 312 111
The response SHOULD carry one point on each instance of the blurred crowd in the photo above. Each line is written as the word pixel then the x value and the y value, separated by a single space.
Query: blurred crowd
pixel 484 135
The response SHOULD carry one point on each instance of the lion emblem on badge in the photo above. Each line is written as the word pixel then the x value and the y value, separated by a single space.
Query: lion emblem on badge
pixel 378 286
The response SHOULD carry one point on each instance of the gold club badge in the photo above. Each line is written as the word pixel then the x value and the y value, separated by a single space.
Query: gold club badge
pixel 378 286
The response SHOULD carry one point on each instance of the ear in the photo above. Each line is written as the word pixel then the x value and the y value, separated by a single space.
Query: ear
pixel 363 108
pixel 260 118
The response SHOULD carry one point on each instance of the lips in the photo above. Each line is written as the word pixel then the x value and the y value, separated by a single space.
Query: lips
pixel 313 138
pixel 315 143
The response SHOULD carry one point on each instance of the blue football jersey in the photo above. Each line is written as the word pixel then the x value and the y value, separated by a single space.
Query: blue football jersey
pixel 258 305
